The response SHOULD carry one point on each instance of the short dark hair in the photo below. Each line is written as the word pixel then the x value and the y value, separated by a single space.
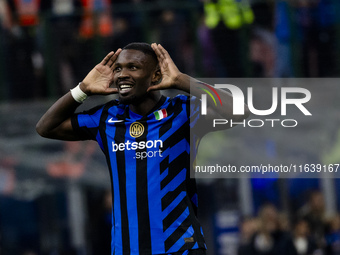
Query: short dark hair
pixel 143 47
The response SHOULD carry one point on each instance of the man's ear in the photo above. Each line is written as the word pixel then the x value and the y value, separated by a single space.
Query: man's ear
pixel 157 77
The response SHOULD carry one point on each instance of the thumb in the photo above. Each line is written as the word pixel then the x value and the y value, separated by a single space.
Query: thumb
pixel 155 87
pixel 109 91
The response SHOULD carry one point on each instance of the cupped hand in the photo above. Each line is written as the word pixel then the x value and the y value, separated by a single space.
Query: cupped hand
pixel 169 70
pixel 100 78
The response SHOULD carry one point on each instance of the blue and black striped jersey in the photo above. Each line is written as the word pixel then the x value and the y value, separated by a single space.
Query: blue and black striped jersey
pixel 154 198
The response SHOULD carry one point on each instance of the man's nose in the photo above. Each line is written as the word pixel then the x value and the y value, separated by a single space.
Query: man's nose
pixel 123 73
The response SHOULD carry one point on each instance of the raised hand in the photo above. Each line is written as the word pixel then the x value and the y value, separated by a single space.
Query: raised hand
pixel 99 79
pixel 169 70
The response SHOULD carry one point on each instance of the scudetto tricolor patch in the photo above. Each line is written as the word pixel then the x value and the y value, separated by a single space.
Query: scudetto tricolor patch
pixel 161 114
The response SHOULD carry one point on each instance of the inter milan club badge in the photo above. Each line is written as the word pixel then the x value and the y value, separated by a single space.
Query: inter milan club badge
pixel 136 129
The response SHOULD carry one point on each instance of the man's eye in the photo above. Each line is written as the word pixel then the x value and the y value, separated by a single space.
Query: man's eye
pixel 117 69
pixel 133 67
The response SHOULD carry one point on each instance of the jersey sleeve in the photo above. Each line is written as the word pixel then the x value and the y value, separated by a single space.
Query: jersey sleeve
pixel 86 124
pixel 192 106
pixel 198 124
pixel 194 111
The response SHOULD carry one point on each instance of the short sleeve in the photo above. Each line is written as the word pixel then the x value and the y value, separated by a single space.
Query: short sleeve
pixel 86 124
pixel 194 109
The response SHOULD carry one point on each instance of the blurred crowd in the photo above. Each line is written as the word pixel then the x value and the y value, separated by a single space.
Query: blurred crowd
pixel 48 46
pixel 309 231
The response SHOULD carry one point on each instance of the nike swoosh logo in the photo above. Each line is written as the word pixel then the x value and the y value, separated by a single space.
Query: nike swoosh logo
pixel 114 121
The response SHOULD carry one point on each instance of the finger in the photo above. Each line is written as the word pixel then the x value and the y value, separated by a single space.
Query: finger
pixel 107 58
pixel 114 57
pixel 160 56
pixel 110 91
pixel 161 48
pixel 165 54
pixel 155 87
pixel 157 51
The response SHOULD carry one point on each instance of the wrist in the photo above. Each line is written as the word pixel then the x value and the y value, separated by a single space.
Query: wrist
pixel 83 87
pixel 182 82
pixel 78 93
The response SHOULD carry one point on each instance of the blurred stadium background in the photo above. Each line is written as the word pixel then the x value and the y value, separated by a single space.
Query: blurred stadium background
pixel 54 196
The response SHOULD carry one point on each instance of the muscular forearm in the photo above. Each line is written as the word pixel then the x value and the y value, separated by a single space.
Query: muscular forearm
pixel 56 123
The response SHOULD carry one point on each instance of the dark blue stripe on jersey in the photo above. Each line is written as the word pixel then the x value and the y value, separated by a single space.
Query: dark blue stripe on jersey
pixel 174 214
pixel 192 192
pixel 176 165
pixel 170 199
pixel 171 195
pixel 182 132
pixel 173 110
pixel 105 149
pixel 193 211
pixel 144 232
pixel 196 251
pixel 177 234
pixel 121 164
pixel 188 107
pixel 193 110
pixel 164 164
pixel 188 246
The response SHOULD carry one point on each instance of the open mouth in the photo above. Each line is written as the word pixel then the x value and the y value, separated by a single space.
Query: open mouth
pixel 125 88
